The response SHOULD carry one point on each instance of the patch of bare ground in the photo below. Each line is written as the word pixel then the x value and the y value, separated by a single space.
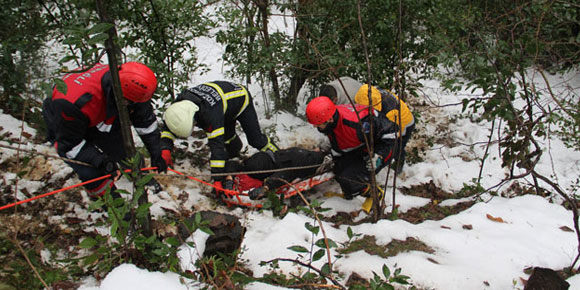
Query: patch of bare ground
pixel 370 246
pixel 433 210
pixel 426 190
pixel 342 218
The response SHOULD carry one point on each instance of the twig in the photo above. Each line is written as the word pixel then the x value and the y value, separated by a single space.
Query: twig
pixel 315 217
pixel 45 155
pixel 369 143
pixel 569 200
pixel 486 151
pixel 14 240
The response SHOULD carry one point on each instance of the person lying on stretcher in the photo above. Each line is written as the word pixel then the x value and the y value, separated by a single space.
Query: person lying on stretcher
pixel 269 169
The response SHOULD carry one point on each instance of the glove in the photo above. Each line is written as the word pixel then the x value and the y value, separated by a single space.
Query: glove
pixel 257 193
pixel 383 161
pixel 327 164
pixel 228 184
pixel 166 155
pixel 380 162
pixel 109 166
pixel 160 163
pixel 368 163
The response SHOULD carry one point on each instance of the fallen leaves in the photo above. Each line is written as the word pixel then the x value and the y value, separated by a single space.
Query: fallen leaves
pixel 495 219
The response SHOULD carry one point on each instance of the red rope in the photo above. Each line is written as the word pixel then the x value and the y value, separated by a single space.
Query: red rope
pixel 66 188
pixel 53 192
pixel 228 192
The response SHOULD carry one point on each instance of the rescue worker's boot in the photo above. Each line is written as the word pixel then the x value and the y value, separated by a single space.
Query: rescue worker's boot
pixel 368 203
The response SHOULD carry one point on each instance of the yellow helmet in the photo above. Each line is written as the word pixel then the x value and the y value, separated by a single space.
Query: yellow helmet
pixel 362 98
pixel 179 118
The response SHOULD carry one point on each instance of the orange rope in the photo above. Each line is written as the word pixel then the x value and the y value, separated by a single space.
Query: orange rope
pixel 66 188
pixel 53 192
pixel 227 192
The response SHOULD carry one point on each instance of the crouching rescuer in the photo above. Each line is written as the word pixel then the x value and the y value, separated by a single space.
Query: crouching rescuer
pixel 215 107
pixel 83 123
pixel 347 128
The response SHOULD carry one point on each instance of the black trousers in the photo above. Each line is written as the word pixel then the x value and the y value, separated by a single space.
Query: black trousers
pixel 248 119
pixel 351 173
pixel 111 143
pixel 283 158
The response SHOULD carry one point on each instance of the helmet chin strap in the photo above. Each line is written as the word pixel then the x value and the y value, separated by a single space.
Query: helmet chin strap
pixel 329 126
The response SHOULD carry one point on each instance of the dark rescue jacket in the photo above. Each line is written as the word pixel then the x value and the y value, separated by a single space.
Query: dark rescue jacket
pixel 219 103
pixel 391 109
pixel 347 134
pixel 89 107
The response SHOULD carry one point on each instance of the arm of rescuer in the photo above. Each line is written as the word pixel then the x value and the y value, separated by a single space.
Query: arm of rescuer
pixel 385 139
pixel 71 125
pixel 213 120
pixel 146 126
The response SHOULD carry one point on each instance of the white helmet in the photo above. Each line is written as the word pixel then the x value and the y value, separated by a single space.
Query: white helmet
pixel 179 118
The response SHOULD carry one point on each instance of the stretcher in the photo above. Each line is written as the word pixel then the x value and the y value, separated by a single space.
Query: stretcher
pixel 240 197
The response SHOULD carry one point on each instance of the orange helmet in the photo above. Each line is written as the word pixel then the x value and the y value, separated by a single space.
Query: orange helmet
pixel 320 110
pixel 138 82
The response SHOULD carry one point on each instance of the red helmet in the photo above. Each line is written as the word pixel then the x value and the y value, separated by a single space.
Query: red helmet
pixel 138 82
pixel 320 110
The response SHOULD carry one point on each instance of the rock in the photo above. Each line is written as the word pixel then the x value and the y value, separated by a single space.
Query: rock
pixel 227 236
pixel 546 279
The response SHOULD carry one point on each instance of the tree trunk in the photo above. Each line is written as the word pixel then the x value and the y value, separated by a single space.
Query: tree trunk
pixel 301 71
pixel 263 8
pixel 121 103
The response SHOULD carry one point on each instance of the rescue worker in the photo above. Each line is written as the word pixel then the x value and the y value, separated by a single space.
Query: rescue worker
pixel 215 107
pixel 396 111
pixel 83 123
pixel 261 183
pixel 340 90
pixel 340 123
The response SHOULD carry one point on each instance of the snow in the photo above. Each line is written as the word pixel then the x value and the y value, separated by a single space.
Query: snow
pixel 471 249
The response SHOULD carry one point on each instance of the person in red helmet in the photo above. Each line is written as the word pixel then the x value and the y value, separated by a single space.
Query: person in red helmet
pixel 83 122
pixel 347 127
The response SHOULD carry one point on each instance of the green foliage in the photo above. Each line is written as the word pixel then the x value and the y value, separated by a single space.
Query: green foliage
pixel 327 43
pixel 386 282
pixel 497 56
pixel 275 203
pixel 158 33
pixel 470 189
pixel 128 241
pixel 22 39
pixel 317 251
pixel 162 33
pixel 251 47
pixel 567 117
pixel 16 273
